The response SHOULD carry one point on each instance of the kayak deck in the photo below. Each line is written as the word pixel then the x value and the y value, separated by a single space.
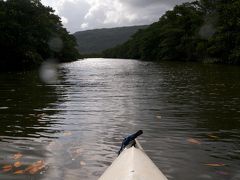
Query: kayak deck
pixel 133 164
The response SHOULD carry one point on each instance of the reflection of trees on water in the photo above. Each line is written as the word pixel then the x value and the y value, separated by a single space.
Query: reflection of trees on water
pixel 219 98
pixel 205 94
pixel 25 101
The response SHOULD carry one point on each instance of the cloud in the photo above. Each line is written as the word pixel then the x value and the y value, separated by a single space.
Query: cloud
pixel 89 14
pixel 140 3
pixel 84 25
pixel 146 3
pixel 74 11
pixel 64 20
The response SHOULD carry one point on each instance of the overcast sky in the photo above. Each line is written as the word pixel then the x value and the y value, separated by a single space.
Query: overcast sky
pixel 78 15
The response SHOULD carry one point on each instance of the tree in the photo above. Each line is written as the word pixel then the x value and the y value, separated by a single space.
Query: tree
pixel 196 31
pixel 27 28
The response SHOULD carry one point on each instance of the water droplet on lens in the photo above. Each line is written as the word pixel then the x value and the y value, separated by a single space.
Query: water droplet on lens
pixel 48 72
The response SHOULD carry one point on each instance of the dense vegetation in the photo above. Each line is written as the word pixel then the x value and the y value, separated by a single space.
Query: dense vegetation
pixel 97 40
pixel 30 34
pixel 206 30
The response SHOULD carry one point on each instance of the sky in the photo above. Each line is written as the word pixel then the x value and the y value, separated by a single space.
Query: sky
pixel 79 15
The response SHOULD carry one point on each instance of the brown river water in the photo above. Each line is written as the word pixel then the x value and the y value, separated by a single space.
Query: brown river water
pixel 189 112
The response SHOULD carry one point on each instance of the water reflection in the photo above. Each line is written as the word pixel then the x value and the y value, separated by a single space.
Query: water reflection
pixel 25 99
pixel 77 125
pixel 25 124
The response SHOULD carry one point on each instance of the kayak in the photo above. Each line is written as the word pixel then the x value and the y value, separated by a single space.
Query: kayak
pixel 133 164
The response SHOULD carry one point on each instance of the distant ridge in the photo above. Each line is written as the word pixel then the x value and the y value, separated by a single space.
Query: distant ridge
pixel 97 40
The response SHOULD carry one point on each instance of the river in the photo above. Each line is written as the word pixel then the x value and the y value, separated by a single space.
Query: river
pixel 189 112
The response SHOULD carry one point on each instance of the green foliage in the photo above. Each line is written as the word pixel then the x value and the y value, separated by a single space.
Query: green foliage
pixel 27 27
pixel 196 31
pixel 225 44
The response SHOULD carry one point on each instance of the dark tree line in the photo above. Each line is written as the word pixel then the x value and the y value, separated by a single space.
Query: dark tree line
pixel 31 33
pixel 205 30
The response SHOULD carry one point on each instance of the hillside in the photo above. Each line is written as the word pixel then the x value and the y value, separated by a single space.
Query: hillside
pixel 97 40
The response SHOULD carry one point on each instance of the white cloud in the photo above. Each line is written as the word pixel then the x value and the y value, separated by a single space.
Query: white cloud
pixel 56 5
pixel 64 20
pixel 84 25
pixel 89 14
